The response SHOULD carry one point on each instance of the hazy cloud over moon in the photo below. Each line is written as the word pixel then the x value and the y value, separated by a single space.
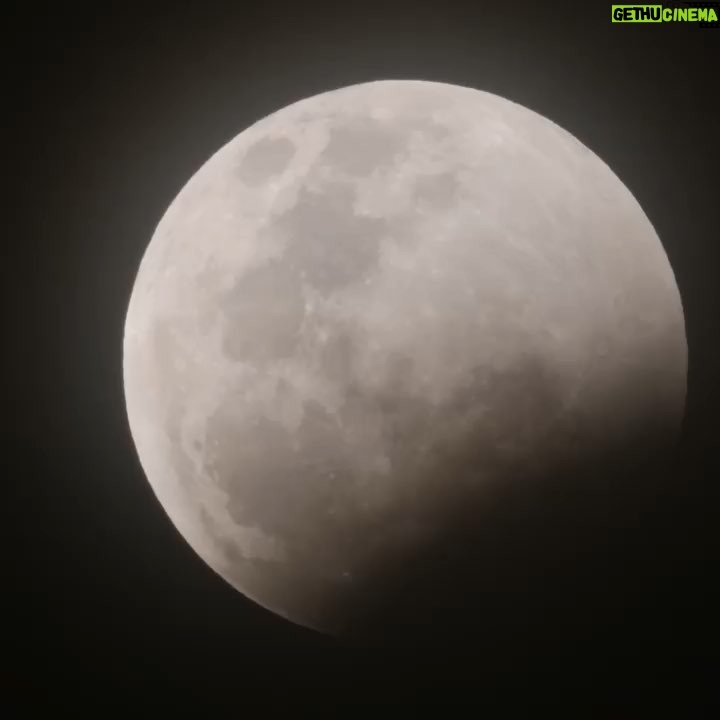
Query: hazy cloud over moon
pixel 372 309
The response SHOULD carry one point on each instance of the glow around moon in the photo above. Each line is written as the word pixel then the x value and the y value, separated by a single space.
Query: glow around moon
pixel 372 307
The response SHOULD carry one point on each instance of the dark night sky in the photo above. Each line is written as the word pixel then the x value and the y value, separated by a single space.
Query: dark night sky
pixel 110 113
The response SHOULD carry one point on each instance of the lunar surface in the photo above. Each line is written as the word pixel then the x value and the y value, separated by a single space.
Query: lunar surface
pixel 369 313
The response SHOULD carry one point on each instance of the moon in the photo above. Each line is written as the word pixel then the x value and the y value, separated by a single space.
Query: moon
pixel 372 311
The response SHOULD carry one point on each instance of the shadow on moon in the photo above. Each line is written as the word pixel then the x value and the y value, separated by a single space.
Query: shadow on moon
pixel 479 536
pixel 533 566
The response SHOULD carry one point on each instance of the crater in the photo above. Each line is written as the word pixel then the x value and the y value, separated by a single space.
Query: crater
pixel 265 159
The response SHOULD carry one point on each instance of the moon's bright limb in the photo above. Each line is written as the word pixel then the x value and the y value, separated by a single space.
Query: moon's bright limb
pixel 368 308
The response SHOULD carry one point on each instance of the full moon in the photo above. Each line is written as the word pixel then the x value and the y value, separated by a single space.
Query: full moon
pixel 371 312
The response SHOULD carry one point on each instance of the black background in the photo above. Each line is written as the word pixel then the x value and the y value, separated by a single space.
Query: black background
pixel 110 113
